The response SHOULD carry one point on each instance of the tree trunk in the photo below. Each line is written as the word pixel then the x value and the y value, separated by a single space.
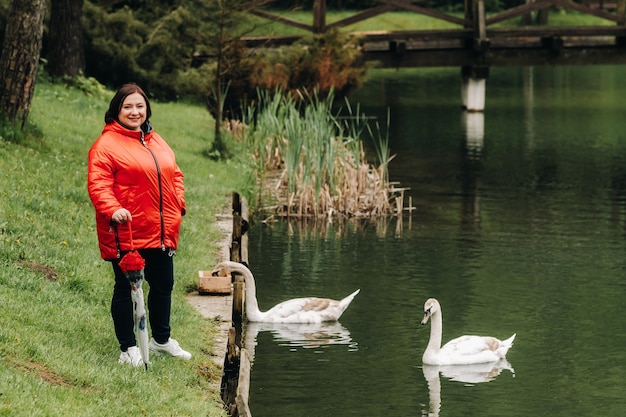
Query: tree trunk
pixel 20 58
pixel 66 55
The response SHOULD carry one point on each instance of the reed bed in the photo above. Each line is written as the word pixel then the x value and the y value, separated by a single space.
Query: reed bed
pixel 310 160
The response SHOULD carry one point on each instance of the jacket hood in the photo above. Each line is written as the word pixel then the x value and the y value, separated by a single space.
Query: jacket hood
pixel 117 127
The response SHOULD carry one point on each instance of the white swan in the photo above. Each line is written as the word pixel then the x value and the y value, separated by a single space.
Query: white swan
pixel 297 310
pixel 464 350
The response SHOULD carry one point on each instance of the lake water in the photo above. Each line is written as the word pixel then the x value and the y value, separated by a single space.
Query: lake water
pixel 518 227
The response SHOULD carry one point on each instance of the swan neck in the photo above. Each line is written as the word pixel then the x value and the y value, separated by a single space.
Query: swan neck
pixel 436 327
pixel 251 304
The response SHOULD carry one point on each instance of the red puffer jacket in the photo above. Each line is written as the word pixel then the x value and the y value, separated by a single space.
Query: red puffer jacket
pixel 138 172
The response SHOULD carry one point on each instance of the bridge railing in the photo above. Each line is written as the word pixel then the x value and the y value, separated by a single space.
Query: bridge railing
pixel 475 17
pixel 479 38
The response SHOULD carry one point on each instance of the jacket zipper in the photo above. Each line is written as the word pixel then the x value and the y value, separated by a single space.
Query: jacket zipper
pixel 156 163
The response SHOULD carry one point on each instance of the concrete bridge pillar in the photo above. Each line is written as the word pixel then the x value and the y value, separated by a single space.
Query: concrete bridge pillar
pixel 473 88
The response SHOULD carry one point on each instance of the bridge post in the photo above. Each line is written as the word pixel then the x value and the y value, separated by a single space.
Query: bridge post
pixel 474 87
pixel 319 16
pixel 474 77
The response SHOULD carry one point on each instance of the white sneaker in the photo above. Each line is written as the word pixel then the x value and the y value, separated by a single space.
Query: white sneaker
pixel 131 356
pixel 171 348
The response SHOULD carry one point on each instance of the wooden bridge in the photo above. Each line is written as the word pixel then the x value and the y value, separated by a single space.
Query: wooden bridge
pixel 480 41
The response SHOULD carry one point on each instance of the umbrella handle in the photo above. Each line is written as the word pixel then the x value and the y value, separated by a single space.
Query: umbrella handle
pixel 130 234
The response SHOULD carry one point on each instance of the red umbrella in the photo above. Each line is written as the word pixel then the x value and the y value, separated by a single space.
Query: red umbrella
pixel 132 264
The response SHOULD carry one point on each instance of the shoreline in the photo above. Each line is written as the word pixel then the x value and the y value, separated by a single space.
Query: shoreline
pixel 218 307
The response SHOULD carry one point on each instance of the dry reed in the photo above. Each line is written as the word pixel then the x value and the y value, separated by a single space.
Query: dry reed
pixel 312 161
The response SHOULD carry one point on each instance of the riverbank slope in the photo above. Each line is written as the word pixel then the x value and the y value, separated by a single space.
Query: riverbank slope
pixel 58 352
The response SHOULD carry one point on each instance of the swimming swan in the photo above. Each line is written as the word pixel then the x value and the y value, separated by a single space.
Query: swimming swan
pixel 297 310
pixel 464 350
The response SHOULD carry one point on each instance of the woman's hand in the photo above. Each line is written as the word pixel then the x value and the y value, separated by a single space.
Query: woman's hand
pixel 122 216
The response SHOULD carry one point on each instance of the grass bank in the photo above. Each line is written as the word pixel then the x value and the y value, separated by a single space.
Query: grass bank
pixel 58 352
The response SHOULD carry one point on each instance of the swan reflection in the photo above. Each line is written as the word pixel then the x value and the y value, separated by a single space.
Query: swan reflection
pixel 300 335
pixel 468 374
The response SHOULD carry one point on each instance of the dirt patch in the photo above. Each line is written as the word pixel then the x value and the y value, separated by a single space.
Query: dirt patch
pixel 40 371
pixel 49 273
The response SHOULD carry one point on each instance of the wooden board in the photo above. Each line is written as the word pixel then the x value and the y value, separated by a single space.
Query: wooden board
pixel 208 284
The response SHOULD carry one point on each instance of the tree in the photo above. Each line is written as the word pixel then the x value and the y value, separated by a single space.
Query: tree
pixel 225 29
pixel 19 61
pixel 150 42
pixel 65 52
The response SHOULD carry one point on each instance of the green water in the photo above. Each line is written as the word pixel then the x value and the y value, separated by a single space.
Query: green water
pixel 519 227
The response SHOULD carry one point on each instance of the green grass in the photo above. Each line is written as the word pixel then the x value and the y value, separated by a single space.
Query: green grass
pixel 58 352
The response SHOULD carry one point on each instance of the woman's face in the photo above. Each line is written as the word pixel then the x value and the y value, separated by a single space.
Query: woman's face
pixel 133 111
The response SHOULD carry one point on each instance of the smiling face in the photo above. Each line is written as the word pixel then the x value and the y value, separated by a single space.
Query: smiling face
pixel 133 111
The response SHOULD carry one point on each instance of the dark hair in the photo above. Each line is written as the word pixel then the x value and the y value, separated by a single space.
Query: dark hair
pixel 118 100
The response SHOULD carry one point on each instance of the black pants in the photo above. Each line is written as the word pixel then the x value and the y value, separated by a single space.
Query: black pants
pixel 159 273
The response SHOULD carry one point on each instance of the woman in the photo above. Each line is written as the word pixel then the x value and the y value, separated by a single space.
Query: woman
pixel 134 181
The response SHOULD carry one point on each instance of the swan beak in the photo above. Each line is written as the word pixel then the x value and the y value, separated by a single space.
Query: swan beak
pixel 426 316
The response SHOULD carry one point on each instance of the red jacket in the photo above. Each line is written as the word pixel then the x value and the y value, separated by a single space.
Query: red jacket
pixel 138 172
